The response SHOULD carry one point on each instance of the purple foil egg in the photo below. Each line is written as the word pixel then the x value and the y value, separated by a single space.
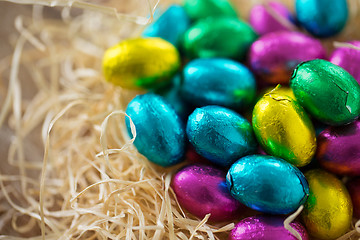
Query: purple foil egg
pixel 348 58
pixel 274 56
pixel 266 228
pixel 354 190
pixel 201 189
pixel 271 17
pixel 339 149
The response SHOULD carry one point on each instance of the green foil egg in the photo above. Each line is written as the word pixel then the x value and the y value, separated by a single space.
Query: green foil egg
pixel 218 37
pixel 197 9
pixel 326 91
pixel 141 63
pixel 283 128
pixel 328 211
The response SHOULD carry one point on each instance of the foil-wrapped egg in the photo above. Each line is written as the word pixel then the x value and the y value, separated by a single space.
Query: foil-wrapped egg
pixel 348 58
pixel 203 83
pixel 198 9
pixel 271 17
pixel 160 134
pixel 281 90
pixel 218 37
pixel 266 228
pixel 283 129
pixel 326 91
pixel 339 149
pixel 353 187
pixel 220 134
pixel 328 211
pixel 274 56
pixel 170 26
pixel 267 184
pixel 321 17
pixel 201 189
pixel 141 63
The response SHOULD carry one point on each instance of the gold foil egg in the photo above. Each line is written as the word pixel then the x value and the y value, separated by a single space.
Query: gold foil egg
pixel 328 211
pixel 281 90
pixel 283 129
pixel 141 63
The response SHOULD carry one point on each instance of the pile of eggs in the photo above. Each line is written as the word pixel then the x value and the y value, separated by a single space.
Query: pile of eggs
pixel 212 96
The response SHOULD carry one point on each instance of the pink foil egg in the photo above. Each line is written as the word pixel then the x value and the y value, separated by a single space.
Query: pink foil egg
pixel 271 17
pixel 339 149
pixel 274 55
pixel 354 190
pixel 201 189
pixel 265 228
pixel 348 58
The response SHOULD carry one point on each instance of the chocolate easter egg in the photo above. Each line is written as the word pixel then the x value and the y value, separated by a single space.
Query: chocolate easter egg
pixel 339 149
pixel 203 83
pixel 170 26
pixel 198 9
pixel 326 91
pixel 267 184
pixel 283 129
pixel 321 18
pixel 220 134
pixel 327 213
pixel 202 189
pixel 274 56
pixel 271 17
pixel 353 187
pixel 160 134
pixel 218 37
pixel 141 63
pixel 348 58
pixel 266 228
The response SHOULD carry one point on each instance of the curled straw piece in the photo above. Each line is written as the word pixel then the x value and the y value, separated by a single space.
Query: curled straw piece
pixel 291 218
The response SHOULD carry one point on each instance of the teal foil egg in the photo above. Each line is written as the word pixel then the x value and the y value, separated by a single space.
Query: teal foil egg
pixel 322 18
pixel 160 134
pixel 217 81
pixel 267 184
pixel 220 135
pixel 218 37
pixel 170 26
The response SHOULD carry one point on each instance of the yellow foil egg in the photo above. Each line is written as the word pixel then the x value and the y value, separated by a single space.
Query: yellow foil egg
pixel 328 211
pixel 141 63
pixel 281 90
pixel 283 129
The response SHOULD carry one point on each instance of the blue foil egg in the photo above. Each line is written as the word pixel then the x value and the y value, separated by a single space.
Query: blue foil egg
pixel 170 26
pixel 267 184
pixel 220 135
pixel 160 134
pixel 218 81
pixel 322 18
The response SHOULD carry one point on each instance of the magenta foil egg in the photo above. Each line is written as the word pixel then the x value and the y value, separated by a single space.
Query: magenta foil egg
pixel 271 17
pixel 266 228
pixel 339 149
pixel 201 189
pixel 274 55
pixel 348 58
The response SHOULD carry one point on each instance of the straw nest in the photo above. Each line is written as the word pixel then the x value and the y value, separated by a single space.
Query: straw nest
pixel 68 168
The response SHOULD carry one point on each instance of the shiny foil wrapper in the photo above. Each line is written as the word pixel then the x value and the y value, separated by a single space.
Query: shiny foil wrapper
pixel 226 37
pixel 328 211
pixel 274 56
pixel 267 184
pixel 263 21
pixel 220 135
pixel 266 228
pixel 354 190
pixel 339 149
pixel 326 91
pixel 348 58
pixel 198 9
pixel 160 134
pixel 141 63
pixel 322 18
pixel 283 128
pixel 201 189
